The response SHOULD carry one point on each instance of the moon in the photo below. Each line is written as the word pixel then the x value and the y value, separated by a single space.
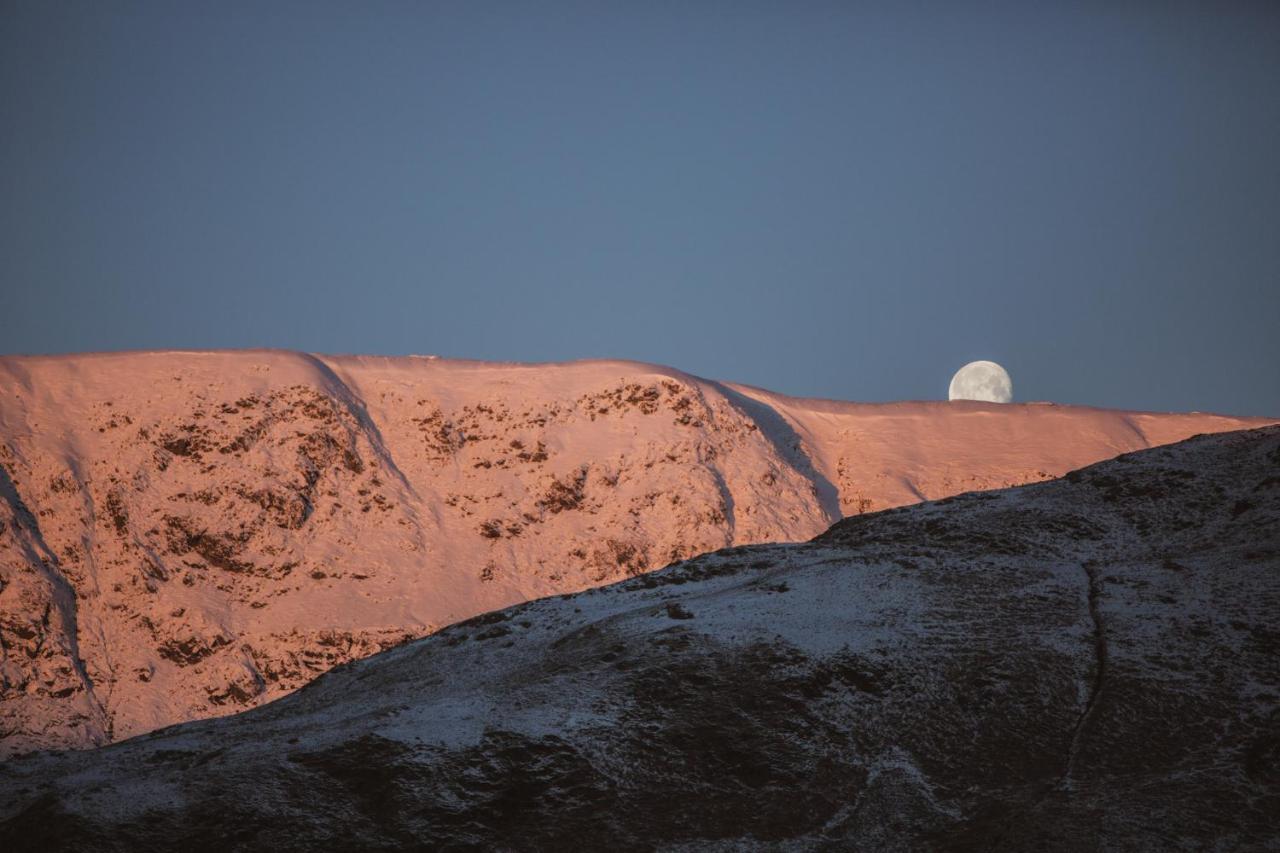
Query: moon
pixel 981 380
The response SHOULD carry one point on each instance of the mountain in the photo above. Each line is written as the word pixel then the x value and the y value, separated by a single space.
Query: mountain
pixel 1088 663
pixel 189 534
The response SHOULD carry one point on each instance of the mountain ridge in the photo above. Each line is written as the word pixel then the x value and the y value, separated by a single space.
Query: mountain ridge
pixel 189 533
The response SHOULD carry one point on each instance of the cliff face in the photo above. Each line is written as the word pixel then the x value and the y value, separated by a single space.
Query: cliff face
pixel 1089 663
pixel 185 535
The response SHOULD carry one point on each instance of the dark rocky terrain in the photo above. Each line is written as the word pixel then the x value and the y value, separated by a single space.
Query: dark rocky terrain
pixel 1082 664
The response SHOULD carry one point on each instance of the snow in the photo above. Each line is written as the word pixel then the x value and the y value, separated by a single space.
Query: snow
pixel 943 668
pixel 235 523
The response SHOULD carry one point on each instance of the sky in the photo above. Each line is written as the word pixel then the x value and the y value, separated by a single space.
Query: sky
pixel 845 200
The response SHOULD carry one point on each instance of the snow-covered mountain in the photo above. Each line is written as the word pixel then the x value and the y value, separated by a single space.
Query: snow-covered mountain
pixel 188 534
pixel 1089 663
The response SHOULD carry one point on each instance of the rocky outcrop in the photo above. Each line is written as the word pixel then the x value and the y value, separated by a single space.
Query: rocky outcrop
pixel 182 531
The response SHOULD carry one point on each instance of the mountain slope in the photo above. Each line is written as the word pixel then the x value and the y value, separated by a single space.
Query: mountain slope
pixel 191 534
pixel 1088 663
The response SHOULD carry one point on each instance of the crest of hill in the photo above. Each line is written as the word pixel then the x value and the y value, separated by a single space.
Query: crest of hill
pixel 189 534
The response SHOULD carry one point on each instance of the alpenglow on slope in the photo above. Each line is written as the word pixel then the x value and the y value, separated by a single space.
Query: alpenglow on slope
pixel 1090 663
pixel 188 534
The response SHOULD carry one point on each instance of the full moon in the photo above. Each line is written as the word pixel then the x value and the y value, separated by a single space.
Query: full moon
pixel 982 380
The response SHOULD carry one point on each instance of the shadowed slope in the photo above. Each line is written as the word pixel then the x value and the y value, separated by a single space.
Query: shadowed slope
pixel 1081 664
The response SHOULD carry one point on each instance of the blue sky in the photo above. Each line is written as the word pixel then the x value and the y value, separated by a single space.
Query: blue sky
pixel 844 200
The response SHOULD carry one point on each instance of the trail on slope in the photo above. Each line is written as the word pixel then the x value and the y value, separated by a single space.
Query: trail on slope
pixel 1098 681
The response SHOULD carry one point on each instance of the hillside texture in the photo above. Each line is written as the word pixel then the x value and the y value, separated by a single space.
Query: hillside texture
pixel 1089 663
pixel 185 535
